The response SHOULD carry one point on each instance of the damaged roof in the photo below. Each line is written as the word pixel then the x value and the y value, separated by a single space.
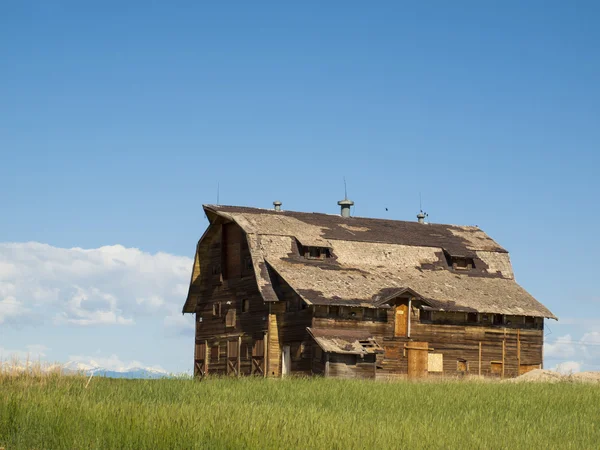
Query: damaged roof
pixel 353 342
pixel 372 259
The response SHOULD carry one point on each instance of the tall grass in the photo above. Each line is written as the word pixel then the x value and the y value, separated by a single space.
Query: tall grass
pixel 57 412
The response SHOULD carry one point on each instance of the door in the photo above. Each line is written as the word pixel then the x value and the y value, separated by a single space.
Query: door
pixel 401 321
pixel 286 360
pixel 417 359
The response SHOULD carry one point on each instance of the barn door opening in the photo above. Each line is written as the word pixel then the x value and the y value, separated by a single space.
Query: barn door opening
pixel 401 320
pixel 286 360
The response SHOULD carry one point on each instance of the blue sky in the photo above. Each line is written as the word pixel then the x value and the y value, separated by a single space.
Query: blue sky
pixel 117 121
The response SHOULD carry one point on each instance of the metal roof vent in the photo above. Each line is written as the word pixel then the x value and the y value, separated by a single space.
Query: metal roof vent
pixel 345 204
pixel 421 217
pixel 277 204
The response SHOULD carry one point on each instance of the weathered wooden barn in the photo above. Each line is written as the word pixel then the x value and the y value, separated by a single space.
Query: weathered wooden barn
pixel 281 292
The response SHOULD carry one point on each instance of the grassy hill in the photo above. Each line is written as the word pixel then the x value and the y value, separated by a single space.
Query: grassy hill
pixel 57 412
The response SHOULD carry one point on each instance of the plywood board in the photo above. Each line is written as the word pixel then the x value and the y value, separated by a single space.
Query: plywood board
pixel 435 362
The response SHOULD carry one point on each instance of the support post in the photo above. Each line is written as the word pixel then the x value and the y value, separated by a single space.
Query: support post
pixel 479 358
pixel 239 358
pixel 503 355
pixel 266 363
pixel 518 351
pixel 409 313
pixel 206 353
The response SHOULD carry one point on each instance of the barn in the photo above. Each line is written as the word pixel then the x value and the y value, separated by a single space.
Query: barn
pixel 278 292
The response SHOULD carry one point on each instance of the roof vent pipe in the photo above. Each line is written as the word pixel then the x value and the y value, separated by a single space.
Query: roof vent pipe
pixel 345 204
pixel 277 204
pixel 421 217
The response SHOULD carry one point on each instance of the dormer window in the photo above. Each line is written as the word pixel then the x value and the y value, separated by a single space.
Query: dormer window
pixel 312 252
pixel 459 262
pixel 462 263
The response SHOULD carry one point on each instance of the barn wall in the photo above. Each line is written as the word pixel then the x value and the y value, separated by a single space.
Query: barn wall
pixel 221 298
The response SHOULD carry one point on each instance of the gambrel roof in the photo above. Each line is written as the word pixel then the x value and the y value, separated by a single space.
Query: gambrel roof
pixel 375 259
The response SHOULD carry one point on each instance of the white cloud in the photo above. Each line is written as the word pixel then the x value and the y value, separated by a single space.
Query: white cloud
pixel 31 352
pixel 574 354
pixel 11 309
pixel 568 367
pixel 110 285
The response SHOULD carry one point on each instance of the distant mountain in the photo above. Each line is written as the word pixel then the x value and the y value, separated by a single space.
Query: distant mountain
pixel 131 372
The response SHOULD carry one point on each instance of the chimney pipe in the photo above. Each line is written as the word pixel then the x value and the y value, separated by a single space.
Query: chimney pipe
pixel 277 204
pixel 421 217
pixel 345 204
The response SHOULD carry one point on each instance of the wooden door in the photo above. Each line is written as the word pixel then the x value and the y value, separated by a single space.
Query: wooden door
pixel 401 321
pixel 417 359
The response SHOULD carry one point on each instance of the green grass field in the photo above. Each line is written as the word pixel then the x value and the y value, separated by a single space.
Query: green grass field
pixel 57 412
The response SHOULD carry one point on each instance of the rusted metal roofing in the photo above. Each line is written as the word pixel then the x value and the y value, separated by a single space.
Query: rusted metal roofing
pixel 354 342
pixel 374 258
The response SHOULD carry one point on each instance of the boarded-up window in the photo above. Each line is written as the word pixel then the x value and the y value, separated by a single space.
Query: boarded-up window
pixel 496 367
pixel 230 318
pixel 435 362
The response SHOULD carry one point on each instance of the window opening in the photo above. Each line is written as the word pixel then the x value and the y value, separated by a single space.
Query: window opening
pixel 472 317
pixel 245 305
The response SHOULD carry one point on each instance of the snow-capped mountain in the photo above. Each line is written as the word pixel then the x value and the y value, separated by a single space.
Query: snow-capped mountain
pixel 122 372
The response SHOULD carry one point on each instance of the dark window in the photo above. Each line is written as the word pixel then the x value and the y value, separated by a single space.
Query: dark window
pixel 485 318
pixel 472 317
pixel 382 314
pixel 369 314
pixel 214 354
pixel 248 263
pixel 426 316
pixel 245 305
pixel 318 353
pixel 312 252
pixel 334 310
pixel 529 321
pixel 498 319
pixel 459 262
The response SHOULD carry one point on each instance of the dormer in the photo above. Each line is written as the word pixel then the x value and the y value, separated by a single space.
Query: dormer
pixel 459 262
pixel 314 250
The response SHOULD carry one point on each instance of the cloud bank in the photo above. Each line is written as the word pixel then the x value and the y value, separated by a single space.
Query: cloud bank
pixel 110 285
